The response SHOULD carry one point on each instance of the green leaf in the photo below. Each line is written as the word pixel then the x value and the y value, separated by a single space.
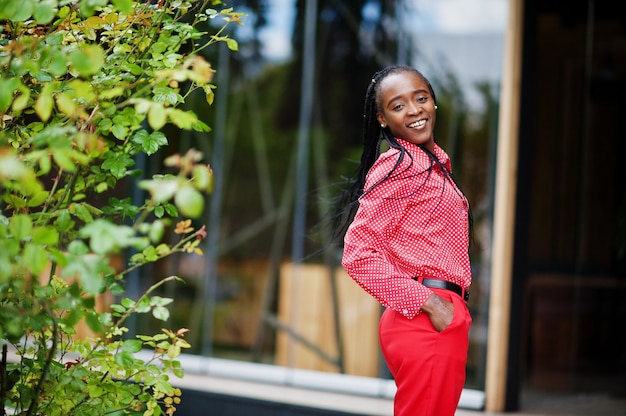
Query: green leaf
pixel 173 351
pixel 101 187
pixel 64 12
pixel 143 305
pixel 202 178
pixel 119 309
pixel 150 254
pixel 157 116
pixel 87 60
pixel 208 91
pixel 58 64
pixel 10 165
pixel 7 87
pixel 112 93
pixel 64 221
pixel 156 231
pixel 34 258
pixel 117 289
pixel 38 199
pixel 94 323
pixel 161 312
pixel 82 213
pixel 88 302
pixel 62 158
pixel 21 100
pixel 119 131
pixel 232 44
pixel 161 190
pixel 159 301
pixel 166 95
pixel 90 269
pixel 88 7
pixel 66 104
pixel 16 10
pixel 72 317
pixel 30 185
pixel 47 235
pixel 183 119
pixel 106 237
pixel 117 164
pixel 44 11
pixel 44 104
pixel 8 8
pixel 83 91
pixel 20 226
pixel 189 201
pixel 77 248
pixel 150 143
pixel 95 390
pixel 44 165
pixel 134 69
pixel 171 210
pixel 132 346
pixel 162 384
pixel 201 126
pixel 159 211
pixel 92 210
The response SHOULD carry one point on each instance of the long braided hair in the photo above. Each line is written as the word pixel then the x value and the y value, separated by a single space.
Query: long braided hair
pixel 373 136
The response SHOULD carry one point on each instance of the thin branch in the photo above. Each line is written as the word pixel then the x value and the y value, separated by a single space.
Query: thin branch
pixel 3 380
pixel 44 372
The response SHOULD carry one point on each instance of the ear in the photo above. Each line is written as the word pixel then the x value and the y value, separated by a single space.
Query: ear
pixel 381 120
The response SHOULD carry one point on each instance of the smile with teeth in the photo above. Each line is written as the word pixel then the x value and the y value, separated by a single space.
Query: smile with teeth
pixel 418 123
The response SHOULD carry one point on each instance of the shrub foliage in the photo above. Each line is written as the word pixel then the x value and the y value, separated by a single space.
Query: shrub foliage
pixel 85 87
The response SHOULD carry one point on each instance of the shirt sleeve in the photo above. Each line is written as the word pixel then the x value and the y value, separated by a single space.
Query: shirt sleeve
pixel 367 255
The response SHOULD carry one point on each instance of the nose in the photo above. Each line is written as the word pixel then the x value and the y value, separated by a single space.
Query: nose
pixel 413 107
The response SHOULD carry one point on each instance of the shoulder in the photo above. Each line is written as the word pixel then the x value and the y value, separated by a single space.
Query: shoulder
pixel 391 162
pixel 395 170
pixel 413 160
pixel 442 156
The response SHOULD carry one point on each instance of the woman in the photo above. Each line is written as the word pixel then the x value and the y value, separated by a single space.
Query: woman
pixel 408 244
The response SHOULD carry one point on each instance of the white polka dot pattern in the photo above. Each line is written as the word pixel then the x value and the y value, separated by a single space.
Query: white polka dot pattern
pixel 414 224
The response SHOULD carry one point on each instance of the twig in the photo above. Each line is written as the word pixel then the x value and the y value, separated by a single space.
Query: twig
pixel 44 373
pixel 3 381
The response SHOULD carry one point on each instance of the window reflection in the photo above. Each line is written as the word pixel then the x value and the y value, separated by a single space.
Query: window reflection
pixel 309 314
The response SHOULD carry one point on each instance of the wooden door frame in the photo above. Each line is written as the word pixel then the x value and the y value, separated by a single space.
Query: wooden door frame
pixel 504 213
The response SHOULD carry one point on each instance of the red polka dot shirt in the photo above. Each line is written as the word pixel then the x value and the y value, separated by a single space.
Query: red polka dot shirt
pixel 414 224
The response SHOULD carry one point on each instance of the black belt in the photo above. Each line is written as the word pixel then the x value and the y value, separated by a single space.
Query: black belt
pixel 444 284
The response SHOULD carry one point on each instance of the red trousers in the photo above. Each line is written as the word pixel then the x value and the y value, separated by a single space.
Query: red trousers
pixel 428 366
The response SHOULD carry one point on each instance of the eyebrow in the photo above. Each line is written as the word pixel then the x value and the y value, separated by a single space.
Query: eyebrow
pixel 397 97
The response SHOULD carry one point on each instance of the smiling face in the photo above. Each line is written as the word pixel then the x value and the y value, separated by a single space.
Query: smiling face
pixel 407 107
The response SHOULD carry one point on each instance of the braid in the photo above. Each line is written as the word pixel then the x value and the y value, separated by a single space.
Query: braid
pixel 371 132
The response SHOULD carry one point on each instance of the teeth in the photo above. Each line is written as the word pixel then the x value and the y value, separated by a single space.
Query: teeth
pixel 418 123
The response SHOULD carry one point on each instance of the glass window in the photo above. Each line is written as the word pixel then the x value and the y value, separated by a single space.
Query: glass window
pixel 248 298
pixel 459 46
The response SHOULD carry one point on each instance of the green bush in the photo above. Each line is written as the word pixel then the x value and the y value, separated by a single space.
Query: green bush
pixel 85 87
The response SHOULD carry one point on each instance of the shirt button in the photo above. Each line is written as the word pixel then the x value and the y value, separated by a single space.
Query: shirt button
pixel 405 311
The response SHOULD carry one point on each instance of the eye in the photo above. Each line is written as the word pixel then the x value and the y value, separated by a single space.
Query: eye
pixel 422 100
pixel 397 107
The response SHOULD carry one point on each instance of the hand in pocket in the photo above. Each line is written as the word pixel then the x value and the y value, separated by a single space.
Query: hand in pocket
pixel 440 312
